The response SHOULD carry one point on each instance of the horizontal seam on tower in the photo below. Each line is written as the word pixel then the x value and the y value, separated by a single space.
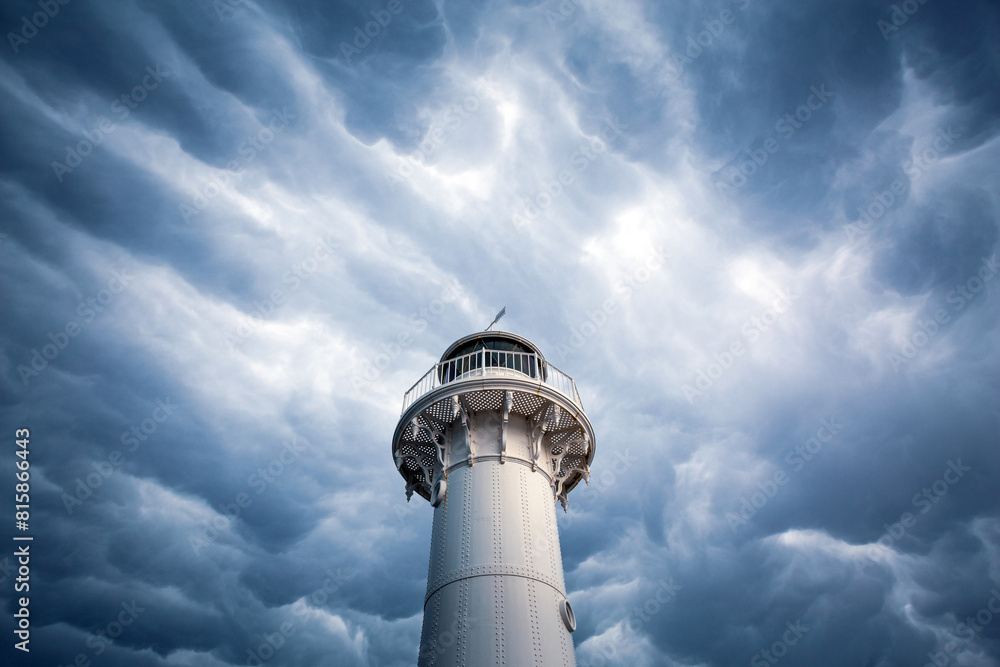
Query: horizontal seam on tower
pixel 509 459
pixel 451 581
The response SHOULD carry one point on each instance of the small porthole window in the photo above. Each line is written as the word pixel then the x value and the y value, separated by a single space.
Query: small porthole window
pixel 568 617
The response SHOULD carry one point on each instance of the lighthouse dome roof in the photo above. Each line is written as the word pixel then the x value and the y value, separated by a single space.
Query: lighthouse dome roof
pixel 490 340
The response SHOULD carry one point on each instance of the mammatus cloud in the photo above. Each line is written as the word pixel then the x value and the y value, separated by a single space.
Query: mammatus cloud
pixel 762 238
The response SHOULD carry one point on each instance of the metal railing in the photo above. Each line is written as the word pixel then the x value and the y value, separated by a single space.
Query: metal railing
pixel 493 363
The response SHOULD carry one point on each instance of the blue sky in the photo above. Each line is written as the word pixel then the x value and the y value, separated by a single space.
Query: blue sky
pixel 761 236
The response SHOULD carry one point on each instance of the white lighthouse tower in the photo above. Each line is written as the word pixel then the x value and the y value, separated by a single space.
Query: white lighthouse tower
pixel 492 436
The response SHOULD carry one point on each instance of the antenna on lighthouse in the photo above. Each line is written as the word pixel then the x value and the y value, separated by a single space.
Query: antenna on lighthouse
pixel 497 318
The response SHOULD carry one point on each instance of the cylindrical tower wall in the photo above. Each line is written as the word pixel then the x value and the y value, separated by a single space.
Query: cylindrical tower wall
pixel 495 580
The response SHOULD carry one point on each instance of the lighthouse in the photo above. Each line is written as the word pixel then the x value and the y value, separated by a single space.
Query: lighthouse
pixel 493 436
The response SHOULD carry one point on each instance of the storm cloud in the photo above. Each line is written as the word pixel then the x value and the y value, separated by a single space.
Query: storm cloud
pixel 761 236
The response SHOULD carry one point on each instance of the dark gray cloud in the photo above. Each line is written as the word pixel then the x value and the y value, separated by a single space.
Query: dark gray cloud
pixel 235 233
